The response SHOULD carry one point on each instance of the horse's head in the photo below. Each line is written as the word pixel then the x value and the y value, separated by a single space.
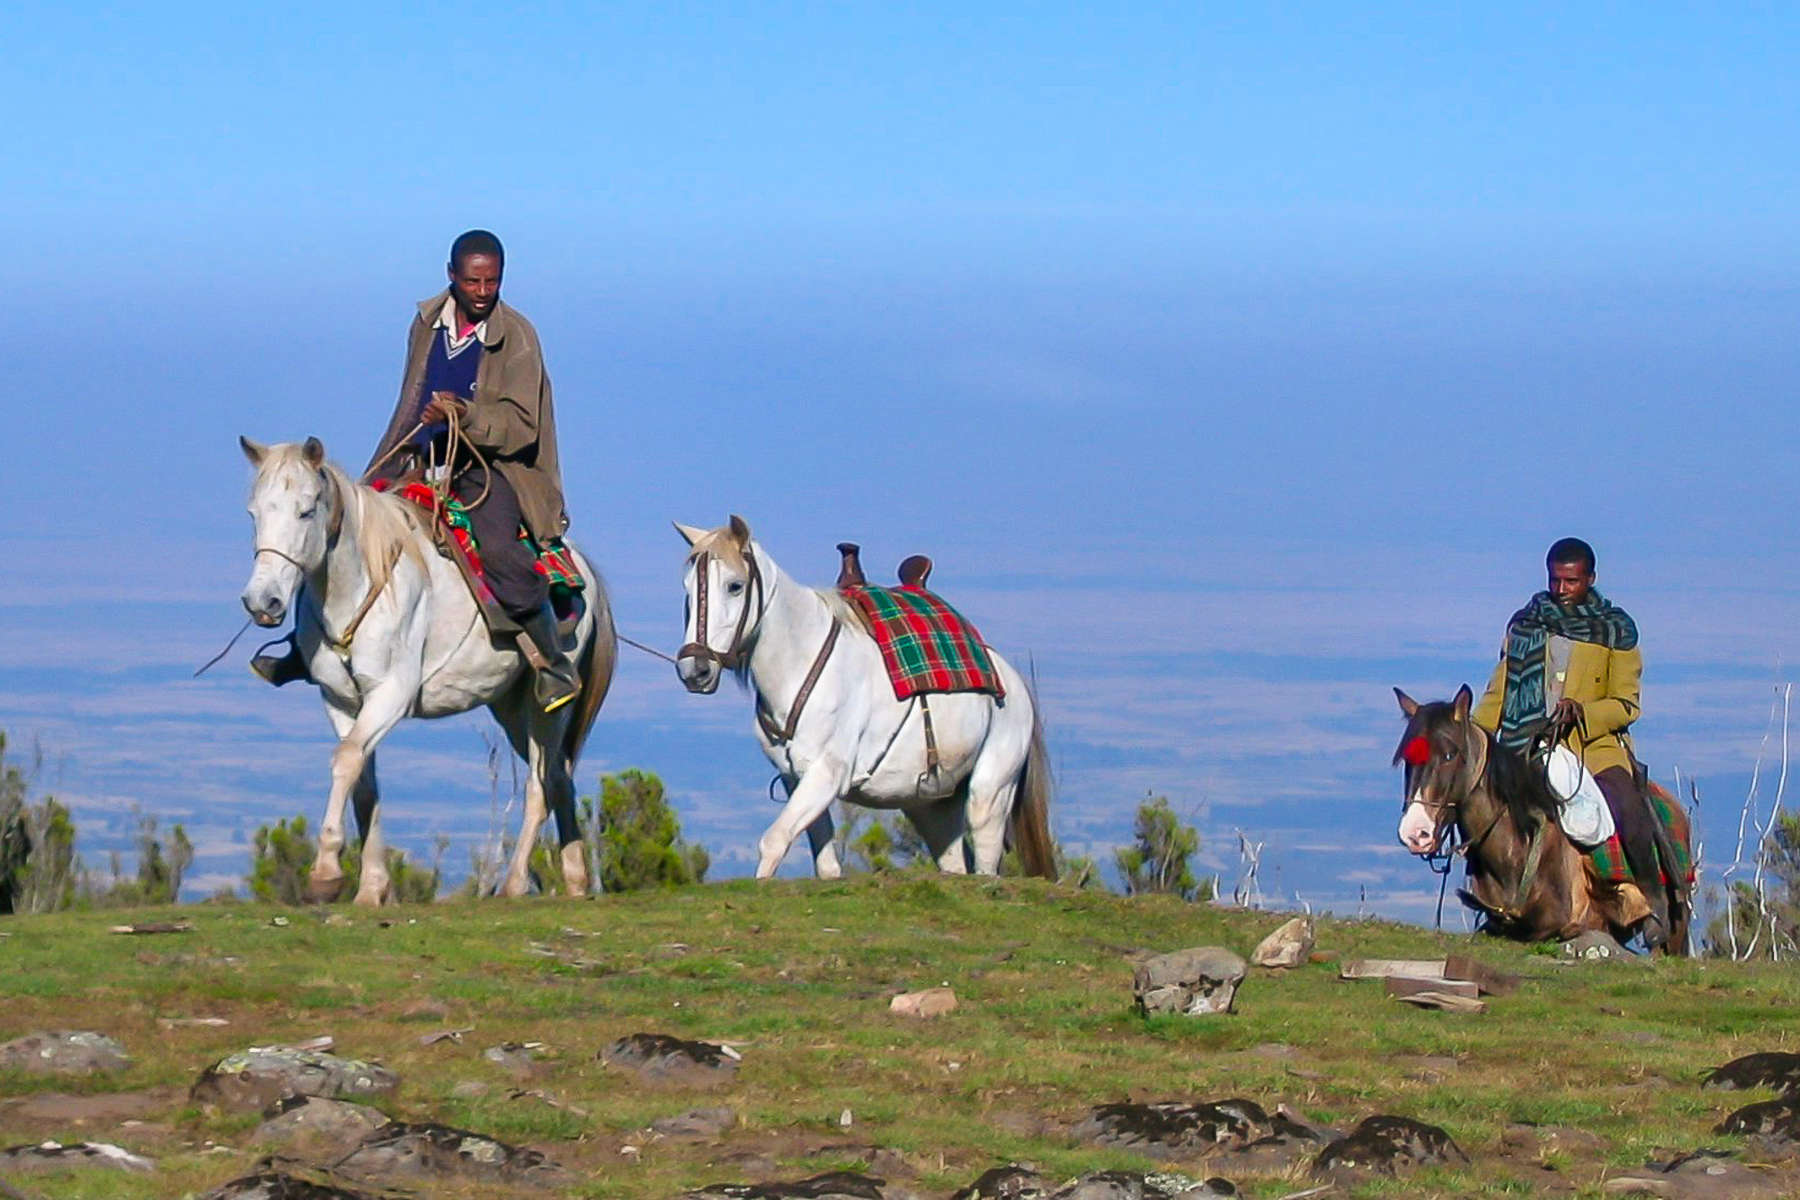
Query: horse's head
pixel 296 507
pixel 1444 754
pixel 725 600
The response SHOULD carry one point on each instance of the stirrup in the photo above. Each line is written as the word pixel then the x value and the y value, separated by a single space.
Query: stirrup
pixel 553 690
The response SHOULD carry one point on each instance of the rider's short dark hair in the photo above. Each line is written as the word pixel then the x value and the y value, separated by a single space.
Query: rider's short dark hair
pixel 476 241
pixel 1571 550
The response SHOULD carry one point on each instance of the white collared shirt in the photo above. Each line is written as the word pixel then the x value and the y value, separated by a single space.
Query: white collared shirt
pixel 447 320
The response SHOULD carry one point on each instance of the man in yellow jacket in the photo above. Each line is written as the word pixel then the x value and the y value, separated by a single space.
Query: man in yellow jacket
pixel 1571 657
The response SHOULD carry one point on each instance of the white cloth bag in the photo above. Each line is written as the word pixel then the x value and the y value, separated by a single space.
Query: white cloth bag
pixel 1585 816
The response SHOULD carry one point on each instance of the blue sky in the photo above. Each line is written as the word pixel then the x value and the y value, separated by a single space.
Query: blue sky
pixel 1234 365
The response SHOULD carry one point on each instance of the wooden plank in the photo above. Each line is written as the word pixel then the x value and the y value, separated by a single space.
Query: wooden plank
pixel 1491 980
pixel 1382 968
pixel 1444 1001
pixel 1400 986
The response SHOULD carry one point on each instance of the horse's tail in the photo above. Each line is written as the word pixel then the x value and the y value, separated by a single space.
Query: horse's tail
pixel 1673 835
pixel 596 663
pixel 1030 818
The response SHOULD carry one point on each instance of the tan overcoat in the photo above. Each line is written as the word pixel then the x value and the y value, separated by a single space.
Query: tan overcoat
pixel 510 420
pixel 1605 682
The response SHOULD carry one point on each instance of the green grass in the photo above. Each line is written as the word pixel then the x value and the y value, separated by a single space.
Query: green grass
pixel 798 974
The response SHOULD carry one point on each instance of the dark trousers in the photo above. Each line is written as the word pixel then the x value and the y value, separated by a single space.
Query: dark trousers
pixel 1631 813
pixel 518 587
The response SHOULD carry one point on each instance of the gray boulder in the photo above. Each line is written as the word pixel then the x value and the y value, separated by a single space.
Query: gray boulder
pixel 253 1079
pixel 277 1185
pixel 312 1127
pixel 1174 1128
pixel 1288 946
pixel 78 1052
pixel 54 1156
pixel 1193 982
pixel 1382 1143
pixel 430 1151
pixel 660 1058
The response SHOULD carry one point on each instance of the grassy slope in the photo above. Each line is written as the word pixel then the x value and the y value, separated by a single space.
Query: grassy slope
pixel 798 974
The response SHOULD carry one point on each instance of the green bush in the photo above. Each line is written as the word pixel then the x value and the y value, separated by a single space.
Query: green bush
pixel 1157 861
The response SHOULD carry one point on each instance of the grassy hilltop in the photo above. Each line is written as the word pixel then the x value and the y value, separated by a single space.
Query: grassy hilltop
pixel 798 975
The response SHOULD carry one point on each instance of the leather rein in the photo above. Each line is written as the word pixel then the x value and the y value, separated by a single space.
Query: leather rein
pixel 733 656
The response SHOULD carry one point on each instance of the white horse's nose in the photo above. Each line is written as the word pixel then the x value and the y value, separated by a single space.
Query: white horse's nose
pixel 698 675
pixel 265 608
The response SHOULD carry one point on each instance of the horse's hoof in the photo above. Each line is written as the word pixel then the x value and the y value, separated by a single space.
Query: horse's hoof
pixel 368 900
pixel 324 891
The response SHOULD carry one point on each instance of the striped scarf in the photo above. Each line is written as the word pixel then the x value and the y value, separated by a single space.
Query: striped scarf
pixel 1593 620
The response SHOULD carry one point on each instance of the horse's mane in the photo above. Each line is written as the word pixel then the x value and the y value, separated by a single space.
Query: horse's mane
pixel 1520 786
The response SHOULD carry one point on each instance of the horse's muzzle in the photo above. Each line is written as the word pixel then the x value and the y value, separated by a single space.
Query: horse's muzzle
pixel 267 613
pixel 698 675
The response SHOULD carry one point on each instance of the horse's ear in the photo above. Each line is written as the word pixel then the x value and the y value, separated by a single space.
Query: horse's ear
pixel 1409 708
pixel 691 533
pixel 314 450
pixel 254 451
pixel 1459 708
pixel 740 531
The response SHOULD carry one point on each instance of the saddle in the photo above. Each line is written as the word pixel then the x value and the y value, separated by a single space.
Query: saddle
pixel 914 570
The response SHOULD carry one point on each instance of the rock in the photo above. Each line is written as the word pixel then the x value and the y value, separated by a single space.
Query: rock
pixel 833 1185
pixel 315 1128
pixel 1128 1185
pixel 1595 946
pixel 657 1057
pixel 932 1002
pixel 1174 1128
pixel 255 1078
pixel 1775 1069
pixel 79 1052
pixel 275 1185
pixel 1382 1143
pixel 403 1150
pixel 1290 1140
pixel 469 1089
pixel 1011 1182
pixel 1191 982
pixel 696 1123
pixel 1288 946
pixel 1705 1175
pixel 1539 1139
pixel 54 1156
pixel 518 1058
pixel 1772 1127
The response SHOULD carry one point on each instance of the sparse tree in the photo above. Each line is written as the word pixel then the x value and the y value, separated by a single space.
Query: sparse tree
pixel 1158 860
pixel 38 866
pixel 637 837
pixel 161 862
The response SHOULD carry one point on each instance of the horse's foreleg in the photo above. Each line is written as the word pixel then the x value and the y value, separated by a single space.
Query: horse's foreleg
pixel 810 799
pixel 821 836
pixel 358 736
pixel 559 799
pixel 372 888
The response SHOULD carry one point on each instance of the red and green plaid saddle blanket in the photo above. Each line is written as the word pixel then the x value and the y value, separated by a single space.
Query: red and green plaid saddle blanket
pixel 926 645
pixel 1607 860
pixel 553 561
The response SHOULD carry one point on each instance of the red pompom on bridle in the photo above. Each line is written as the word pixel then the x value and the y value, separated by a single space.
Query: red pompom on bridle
pixel 1416 752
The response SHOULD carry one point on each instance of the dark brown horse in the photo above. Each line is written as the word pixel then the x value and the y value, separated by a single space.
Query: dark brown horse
pixel 1527 880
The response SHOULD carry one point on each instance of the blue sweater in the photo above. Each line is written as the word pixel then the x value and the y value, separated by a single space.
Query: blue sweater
pixel 447 370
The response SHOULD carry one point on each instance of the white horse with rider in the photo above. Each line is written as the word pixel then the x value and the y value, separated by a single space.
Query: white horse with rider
pixel 828 719
pixel 389 629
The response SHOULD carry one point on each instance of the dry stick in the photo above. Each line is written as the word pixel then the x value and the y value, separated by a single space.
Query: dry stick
pixel 1737 855
pixel 1765 918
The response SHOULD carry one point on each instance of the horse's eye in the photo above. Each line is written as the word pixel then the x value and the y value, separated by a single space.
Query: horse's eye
pixel 1450 756
pixel 735 587
pixel 307 514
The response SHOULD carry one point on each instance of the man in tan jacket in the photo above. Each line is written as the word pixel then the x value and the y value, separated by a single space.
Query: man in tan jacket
pixel 474 361
pixel 1571 657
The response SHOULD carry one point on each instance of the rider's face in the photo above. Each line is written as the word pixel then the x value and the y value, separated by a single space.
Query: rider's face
pixel 475 282
pixel 1570 582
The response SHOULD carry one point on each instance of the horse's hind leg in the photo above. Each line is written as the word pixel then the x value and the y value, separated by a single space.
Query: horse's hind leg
pixel 515 714
pixel 942 826
pixel 552 767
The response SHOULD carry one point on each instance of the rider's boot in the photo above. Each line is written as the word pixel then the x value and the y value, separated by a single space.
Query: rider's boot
pixel 556 682
pixel 1655 927
pixel 280 669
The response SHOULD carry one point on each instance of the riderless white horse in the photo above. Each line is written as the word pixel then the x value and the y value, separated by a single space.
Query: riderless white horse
pixel 828 720
pixel 389 629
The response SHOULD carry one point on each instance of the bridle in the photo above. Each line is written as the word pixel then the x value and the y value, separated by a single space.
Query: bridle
pixel 733 655
pixel 340 643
